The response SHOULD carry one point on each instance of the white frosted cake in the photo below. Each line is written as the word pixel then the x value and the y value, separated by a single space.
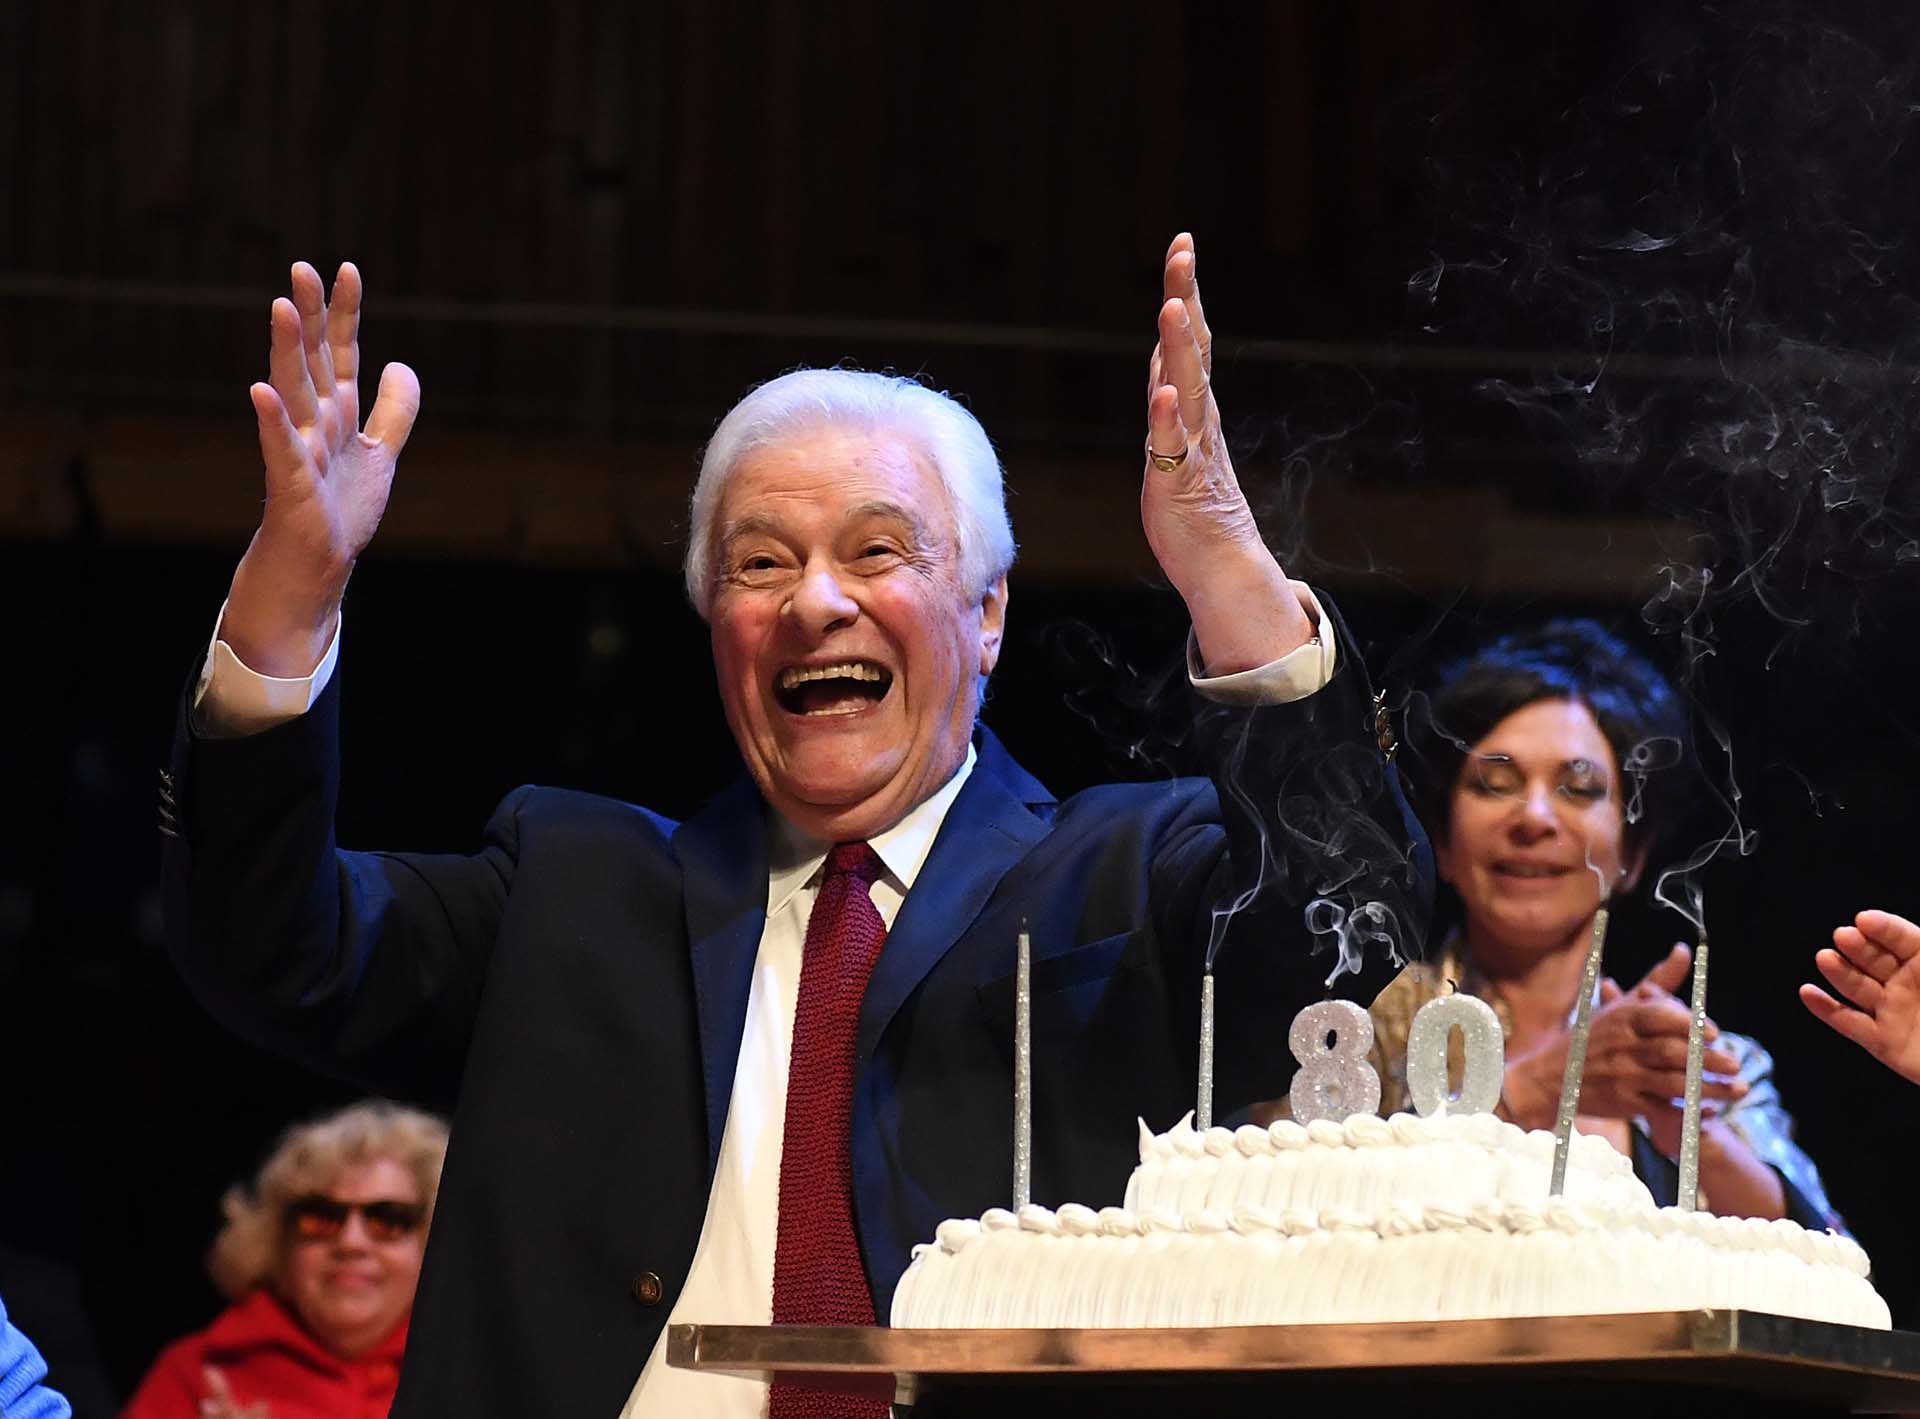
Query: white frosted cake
pixel 1400 1219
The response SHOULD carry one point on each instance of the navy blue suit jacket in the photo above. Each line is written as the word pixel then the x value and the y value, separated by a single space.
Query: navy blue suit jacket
pixel 576 993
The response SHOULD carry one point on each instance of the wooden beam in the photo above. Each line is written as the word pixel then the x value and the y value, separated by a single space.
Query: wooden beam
pixel 550 501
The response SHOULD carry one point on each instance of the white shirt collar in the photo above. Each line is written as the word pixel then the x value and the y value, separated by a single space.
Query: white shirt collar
pixel 793 857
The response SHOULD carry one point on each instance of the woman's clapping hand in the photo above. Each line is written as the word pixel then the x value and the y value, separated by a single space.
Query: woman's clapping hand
pixel 1636 1058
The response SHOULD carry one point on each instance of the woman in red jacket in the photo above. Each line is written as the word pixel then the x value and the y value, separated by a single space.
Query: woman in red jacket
pixel 320 1257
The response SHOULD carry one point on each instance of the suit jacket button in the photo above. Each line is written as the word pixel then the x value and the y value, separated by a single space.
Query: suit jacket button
pixel 647 1288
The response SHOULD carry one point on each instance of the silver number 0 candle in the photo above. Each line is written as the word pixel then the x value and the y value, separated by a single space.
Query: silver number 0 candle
pixel 1485 1053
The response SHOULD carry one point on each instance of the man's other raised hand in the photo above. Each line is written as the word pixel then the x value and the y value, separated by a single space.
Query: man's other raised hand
pixel 327 479
pixel 1202 532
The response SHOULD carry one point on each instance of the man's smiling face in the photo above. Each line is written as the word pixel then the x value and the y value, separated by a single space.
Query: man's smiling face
pixel 849 653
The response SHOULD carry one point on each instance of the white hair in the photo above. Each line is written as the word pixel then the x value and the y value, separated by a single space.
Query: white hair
pixel 949 437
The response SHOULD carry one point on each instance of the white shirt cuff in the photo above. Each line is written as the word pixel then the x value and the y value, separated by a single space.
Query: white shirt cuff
pixel 232 701
pixel 1295 675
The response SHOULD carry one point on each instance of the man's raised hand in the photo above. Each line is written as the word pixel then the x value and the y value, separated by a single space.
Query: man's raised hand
pixel 1203 534
pixel 1875 963
pixel 327 480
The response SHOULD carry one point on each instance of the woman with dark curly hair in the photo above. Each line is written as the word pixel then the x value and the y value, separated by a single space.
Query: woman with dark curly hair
pixel 320 1257
pixel 1548 777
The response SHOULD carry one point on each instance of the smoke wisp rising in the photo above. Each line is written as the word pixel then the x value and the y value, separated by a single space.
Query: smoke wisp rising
pixel 1715 273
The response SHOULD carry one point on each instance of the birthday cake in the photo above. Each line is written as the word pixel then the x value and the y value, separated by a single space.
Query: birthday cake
pixel 1370 1219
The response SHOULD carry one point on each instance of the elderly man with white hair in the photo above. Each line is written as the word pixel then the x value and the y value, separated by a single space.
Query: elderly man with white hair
pixel 734 1069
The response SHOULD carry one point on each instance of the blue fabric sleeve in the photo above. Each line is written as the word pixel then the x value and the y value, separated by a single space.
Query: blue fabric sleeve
pixel 22 1396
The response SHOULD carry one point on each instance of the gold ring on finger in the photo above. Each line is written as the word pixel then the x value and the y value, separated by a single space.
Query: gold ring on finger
pixel 1167 462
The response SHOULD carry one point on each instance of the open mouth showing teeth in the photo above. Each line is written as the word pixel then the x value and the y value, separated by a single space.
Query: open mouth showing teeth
pixel 845 688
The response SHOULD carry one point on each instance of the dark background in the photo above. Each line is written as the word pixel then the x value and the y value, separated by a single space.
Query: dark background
pixel 1515 305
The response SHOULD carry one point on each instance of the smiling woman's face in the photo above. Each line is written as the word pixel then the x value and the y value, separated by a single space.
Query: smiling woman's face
pixel 353 1288
pixel 1535 826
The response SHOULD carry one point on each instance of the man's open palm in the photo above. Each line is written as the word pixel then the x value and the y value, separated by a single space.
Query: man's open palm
pixel 327 480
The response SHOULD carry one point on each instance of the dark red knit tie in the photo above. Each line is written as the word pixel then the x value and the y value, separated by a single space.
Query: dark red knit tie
pixel 817 1276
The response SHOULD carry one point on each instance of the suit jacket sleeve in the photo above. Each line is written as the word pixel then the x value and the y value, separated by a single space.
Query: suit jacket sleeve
pixel 364 965
pixel 1326 881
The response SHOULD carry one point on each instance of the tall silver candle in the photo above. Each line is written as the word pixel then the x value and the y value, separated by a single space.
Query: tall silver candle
pixel 1023 1073
pixel 1203 1105
pixel 1577 1054
pixel 1696 1047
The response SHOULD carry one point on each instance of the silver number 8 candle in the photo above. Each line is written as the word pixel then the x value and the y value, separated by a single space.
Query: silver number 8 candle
pixel 1335 1077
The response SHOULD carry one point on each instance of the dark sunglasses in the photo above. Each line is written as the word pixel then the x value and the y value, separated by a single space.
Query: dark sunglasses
pixel 316 1218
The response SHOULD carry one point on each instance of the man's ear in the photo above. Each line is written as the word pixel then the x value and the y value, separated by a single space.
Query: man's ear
pixel 993 624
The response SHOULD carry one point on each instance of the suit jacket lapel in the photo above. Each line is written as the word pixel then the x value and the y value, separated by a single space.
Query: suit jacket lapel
pixel 990 827
pixel 723 863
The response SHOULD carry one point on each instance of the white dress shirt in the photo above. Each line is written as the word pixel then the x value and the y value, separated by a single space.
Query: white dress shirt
pixel 732 1272
pixel 731 1279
